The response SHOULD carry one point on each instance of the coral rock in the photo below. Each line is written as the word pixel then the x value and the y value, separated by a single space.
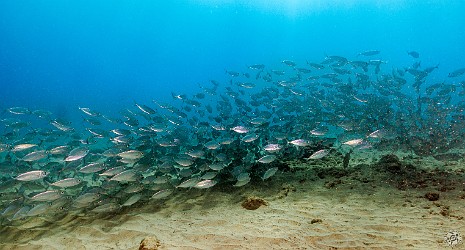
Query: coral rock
pixel 149 243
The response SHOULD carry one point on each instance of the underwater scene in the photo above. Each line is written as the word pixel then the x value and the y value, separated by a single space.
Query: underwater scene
pixel 232 124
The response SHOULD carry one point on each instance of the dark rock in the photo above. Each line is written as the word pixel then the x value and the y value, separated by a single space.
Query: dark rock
pixel 252 203
pixel 316 221
pixel 432 196
pixel 149 243
pixel 390 163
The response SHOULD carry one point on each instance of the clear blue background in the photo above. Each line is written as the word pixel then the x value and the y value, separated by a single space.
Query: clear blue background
pixel 59 55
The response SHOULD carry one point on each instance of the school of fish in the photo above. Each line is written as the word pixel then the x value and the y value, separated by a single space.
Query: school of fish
pixel 230 133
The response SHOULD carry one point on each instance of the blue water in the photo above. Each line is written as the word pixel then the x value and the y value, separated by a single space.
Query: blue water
pixel 59 55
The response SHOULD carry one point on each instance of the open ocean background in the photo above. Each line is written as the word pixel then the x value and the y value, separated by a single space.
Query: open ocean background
pixel 61 55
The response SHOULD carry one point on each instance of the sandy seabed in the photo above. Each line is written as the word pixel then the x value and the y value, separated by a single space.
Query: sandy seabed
pixel 307 209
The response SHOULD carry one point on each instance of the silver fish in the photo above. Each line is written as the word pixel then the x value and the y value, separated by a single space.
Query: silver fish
pixel 272 148
pixel 128 175
pixel 31 175
pixel 92 168
pixel 77 154
pixel 319 154
pixel 299 142
pixel 132 200
pixel 68 182
pixel 205 184
pixel 35 156
pixel 162 194
pixel 354 142
pixel 267 159
pixel 86 199
pixel 109 207
pixel 270 172
pixel 131 154
pixel 249 138
pixel 240 129
pixel 49 195
pixel 189 183
pixel 39 209
pixel 21 147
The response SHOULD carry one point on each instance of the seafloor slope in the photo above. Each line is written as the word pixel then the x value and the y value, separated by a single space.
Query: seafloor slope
pixel 380 201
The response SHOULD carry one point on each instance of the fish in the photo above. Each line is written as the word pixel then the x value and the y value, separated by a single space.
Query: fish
pixel 125 176
pixel 144 108
pixel 162 194
pixel 242 181
pixel 68 182
pixel 105 208
pixel 85 199
pixel 131 154
pixel 257 66
pixel 299 142
pixel 49 195
pixel 457 72
pixel 77 154
pixel 289 63
pixel 250 138
pixel 240 129
pixel 21 147
pixel 18 110
pixel 267 159
pixel 189 183
pixel 205 184
pixel 270 172
pixel 35 156
pixel 31 175
pixel 132 200
pixel 89 112
pixel 369 53
pixel 319 154
pixel 272 148
pixel 413 54
pixel 39 209
pixel 382 133
pixel 92 168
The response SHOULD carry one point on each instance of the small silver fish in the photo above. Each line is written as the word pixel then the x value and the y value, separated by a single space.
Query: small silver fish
pixel 240 129
pixel 49 195
pixel 128 175
pixel 39 209
pixel 162 194
pixel 68 182
pixel 35 156
pixel 31 175
pixel 189 183
pixel 272 148
pixel 299 142
pixel 267 159
pixel 132 200
pixel 21 147
pixel 270 172
pixel 92 168
pixel 131 154
pixel 319 154
pixel 77 154
pixel 354 142
pixel 205 184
